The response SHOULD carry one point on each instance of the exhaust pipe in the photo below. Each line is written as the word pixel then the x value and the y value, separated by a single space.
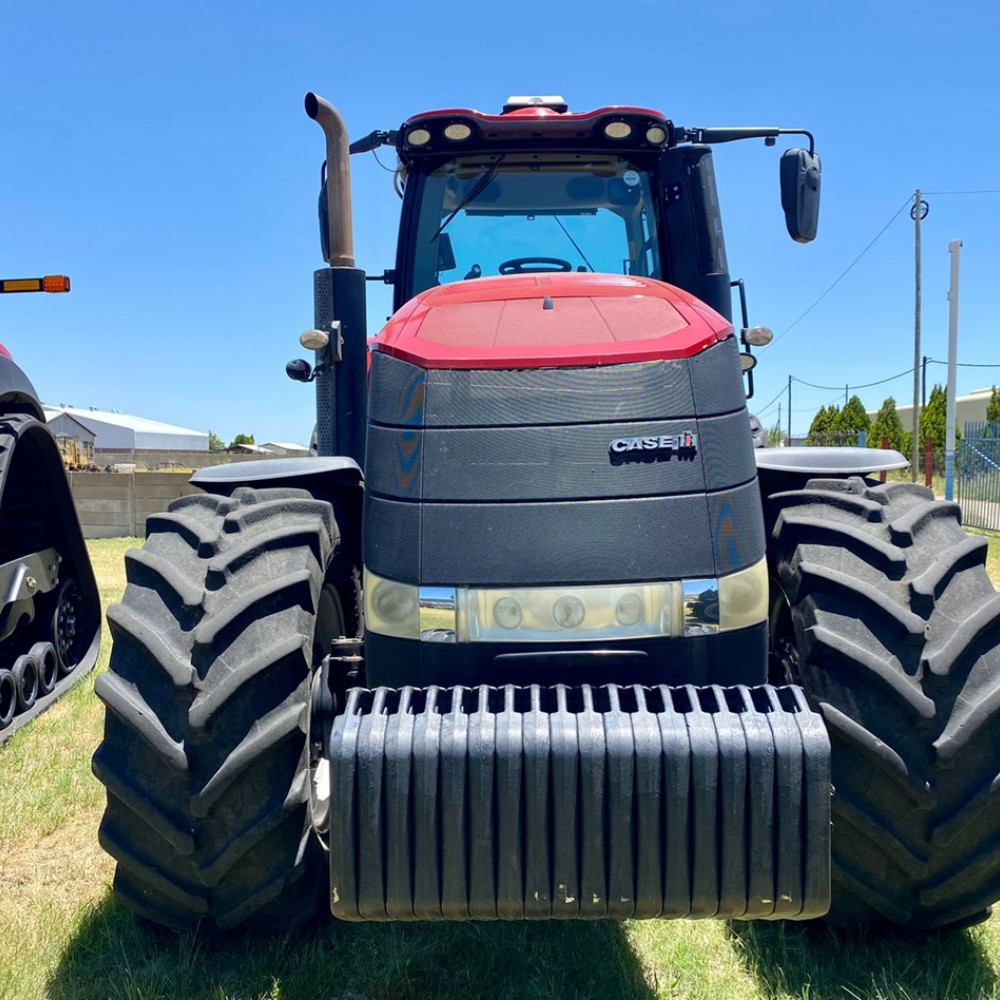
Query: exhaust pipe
pixel 338 180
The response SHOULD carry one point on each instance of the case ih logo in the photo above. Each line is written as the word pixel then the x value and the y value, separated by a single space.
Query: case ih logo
pixel 652 449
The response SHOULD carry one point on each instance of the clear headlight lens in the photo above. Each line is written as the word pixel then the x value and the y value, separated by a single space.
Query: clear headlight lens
pixel 392 608
pixel 743 597
pixel 559 614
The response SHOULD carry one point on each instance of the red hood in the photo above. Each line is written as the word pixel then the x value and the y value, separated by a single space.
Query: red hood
pixel 550 321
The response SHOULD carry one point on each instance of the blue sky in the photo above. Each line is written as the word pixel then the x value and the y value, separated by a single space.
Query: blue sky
pixel 160 156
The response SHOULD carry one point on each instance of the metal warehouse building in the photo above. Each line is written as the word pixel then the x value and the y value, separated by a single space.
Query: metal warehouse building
pixel 120 433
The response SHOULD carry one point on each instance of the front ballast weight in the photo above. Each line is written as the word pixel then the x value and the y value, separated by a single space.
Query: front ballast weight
pixel 583 802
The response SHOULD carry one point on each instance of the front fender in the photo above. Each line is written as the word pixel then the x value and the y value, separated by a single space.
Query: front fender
pixel 828 461
pixel 321 476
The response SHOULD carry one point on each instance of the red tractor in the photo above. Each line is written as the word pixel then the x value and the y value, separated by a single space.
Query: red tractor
pixel 50 611
pixel 540 633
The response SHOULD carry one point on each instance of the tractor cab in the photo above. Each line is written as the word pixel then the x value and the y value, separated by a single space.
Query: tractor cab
pixel 489 195
pixel 620 190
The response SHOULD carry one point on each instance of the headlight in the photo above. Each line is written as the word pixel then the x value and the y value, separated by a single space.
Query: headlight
pixel 392 608
pixel 561 614
pixel 673 608
pixel 743 597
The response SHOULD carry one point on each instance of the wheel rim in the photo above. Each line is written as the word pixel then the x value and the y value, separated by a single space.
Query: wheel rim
pixel 66 634
pixel 785 665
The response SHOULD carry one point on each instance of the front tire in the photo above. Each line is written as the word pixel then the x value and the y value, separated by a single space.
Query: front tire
pixel 888 620
pixel 204 756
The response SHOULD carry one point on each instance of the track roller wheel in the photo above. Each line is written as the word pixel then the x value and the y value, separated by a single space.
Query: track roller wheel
pixel 44 654
pixel 8 698
pixel 25 671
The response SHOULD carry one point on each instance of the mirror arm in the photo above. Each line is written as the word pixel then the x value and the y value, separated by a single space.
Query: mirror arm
pixel 713 135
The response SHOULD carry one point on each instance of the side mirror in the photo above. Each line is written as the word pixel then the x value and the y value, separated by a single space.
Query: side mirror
pixel 324 221
pixel 299 370
pixel 800 183
pixel 445 254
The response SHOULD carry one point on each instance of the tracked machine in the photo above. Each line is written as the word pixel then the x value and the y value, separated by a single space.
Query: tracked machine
pixel 50 611
pixel 540 634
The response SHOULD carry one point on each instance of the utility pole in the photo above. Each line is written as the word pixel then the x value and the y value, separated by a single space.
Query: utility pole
pixel 954 248
pixel 789 411
pixel 918 212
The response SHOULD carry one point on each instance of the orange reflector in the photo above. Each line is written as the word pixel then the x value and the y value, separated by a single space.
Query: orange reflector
pixel 55 283
pixel 21 285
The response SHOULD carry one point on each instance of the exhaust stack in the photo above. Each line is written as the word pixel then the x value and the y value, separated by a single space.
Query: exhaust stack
pixel 338 180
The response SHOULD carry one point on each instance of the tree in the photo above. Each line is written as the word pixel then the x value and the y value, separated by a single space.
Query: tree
pixel 215 442
pixel 775 436
pixel 993 410
pixel 934 419
pixel 934 425
pixel 888 425
pixel 823 425
pixel 241 439
pixel 853 419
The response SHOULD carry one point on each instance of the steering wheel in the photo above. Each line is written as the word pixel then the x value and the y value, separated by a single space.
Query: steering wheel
pixel 534 265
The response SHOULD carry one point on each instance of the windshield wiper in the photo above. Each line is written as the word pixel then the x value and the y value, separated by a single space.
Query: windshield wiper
pixel 479 187
pixel 575 244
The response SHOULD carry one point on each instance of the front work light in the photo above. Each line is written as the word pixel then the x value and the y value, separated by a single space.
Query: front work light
pixel 618 130
pixel 314 340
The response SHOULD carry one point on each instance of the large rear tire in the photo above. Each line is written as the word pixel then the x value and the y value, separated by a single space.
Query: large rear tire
pixel 887 618
pixel 204 756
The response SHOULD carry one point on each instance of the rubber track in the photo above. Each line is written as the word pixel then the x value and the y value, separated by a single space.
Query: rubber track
pixel 24 529
pixel 204 758
pixel 903 660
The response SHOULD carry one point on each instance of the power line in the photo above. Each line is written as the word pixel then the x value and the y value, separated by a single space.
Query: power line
pixel 867 385
pixel 846 271
pixel 961 364
pixel 983 191
pixel 777 396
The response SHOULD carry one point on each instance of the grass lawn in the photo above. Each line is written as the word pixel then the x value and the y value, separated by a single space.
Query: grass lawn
pixel 63 936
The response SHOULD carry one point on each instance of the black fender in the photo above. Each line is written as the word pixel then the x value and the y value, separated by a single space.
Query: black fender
pixel 789 468
pixel 335 478
pixel 829 461
pixel 320 476
pixel 16 391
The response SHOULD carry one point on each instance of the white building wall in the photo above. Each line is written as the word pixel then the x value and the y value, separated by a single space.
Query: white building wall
pixel 968 409
pixel 171 442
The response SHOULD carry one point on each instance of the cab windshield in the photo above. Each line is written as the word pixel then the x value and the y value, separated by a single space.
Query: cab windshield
pixel 518 213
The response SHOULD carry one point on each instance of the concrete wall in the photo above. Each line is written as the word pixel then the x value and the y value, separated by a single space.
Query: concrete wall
pixel 113 504
pixel 153 460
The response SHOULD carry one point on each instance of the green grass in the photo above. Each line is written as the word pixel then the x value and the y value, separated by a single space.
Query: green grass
pixel 63 937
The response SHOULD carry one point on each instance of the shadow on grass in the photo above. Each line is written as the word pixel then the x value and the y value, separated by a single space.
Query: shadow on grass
pixel 822 962
pixel 110 956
